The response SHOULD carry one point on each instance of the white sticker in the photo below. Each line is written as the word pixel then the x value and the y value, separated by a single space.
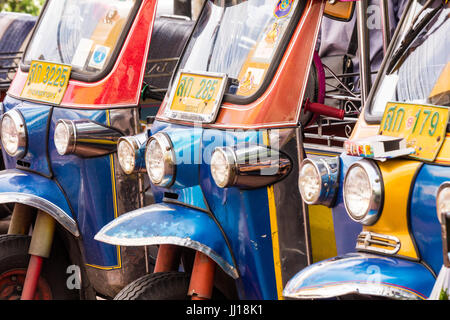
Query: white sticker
pixel 82 53
pixel 99 56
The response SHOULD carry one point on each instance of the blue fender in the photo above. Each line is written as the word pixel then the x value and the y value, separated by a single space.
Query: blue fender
pixel 31 189
pixel 167 223
pixel 361 273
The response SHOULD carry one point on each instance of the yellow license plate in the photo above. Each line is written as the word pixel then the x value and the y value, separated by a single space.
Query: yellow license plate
pixel 423 127
pixel 46 82
pixel 197 96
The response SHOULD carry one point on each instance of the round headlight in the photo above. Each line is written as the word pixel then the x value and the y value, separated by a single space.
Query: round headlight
pixel 160 160
pixel 14 134
pixel 363 192
pixel 64 137
pixel 443 201
pixel 223 167
pixel 317 181
pixel 309 183
pixel 127 156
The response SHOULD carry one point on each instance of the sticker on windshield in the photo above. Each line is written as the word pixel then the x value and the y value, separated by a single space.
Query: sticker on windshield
pixel 99 56
pixel 251 80
pixel 283 8
pixel 81 55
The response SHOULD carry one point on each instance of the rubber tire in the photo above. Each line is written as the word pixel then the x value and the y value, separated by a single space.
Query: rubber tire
pixel 14 255
pixel 157 286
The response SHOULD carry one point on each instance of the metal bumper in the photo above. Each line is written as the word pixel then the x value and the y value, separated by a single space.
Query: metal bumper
pixel 170 224
pixel 363 274
pixel 18 186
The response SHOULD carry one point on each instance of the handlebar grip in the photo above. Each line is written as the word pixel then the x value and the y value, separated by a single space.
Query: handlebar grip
pixel 324 110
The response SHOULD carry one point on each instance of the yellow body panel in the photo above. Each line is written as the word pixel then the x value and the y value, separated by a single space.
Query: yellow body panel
pixel 323 243
pixel 398 178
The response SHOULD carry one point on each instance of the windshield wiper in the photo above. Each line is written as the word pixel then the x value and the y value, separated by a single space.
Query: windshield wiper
pixel 413 32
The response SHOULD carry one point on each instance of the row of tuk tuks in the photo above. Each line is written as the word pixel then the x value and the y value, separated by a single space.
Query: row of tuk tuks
pixel 162 157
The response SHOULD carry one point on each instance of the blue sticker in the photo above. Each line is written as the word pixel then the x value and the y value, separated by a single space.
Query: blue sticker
pixel 99 56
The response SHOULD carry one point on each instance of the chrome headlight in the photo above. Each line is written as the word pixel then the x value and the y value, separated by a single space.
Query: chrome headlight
pixel 363 192
pixel 318 181
pixel 64 137
pixel 129 153
pixel 14 134
pixel 443 201
pixel 160 160
pixel 223 167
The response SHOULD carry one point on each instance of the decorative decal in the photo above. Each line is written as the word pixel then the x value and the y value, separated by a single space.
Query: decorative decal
pixel 283 8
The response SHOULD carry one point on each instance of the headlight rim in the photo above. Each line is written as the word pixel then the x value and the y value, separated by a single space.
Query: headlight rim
pixel 170 168
pixel 22 144
pixel 376 203
pixel 328 171
pixel 71 128
pixel 231 160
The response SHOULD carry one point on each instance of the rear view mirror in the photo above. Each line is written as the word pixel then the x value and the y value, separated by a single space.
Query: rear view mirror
pixel 339 10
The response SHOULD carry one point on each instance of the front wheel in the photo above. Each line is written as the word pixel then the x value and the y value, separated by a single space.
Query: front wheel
pixel 161 286
pixel 14 259
pixel 157 286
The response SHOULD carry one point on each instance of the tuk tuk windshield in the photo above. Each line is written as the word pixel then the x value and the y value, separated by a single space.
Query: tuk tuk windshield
pixel 239 38
pixel 81 33
pixel 420 71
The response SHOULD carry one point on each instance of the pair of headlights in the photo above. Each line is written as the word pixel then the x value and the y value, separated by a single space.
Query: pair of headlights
pixel 157 152
pixel 15 140
pixel 82 137
pixel 159 158
pixel 363 188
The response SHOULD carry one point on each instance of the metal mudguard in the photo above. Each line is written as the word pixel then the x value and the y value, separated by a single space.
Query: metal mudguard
pixel 364 274
pixel 170 224
pixel 17 186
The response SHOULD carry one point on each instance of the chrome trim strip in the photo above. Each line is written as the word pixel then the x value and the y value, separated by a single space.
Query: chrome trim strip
pixel 44 205
pixel 366 239
pixel 183 242
pixel 362 288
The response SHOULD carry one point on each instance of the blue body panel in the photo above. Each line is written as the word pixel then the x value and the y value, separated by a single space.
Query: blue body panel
pixel 170 224
pixel 346 230
pixel 243 215
pixel 87 183
pixel 17 183
pixel 425 226
pixel 365 274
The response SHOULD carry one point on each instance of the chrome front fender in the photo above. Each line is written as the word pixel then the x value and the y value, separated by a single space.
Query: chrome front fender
pixel 170 224
pixel 364 274
pixel 36 191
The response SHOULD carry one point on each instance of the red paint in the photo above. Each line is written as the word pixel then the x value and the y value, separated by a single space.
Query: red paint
pixel 32 278
pixel 121 87
pixel 168 258
pixel 202 278
pixel 280 105
pixel 324 110
pixel 11 286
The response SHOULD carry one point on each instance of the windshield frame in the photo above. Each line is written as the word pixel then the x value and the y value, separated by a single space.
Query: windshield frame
pixel 369 117
pixel 83 77
pixel 275 63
